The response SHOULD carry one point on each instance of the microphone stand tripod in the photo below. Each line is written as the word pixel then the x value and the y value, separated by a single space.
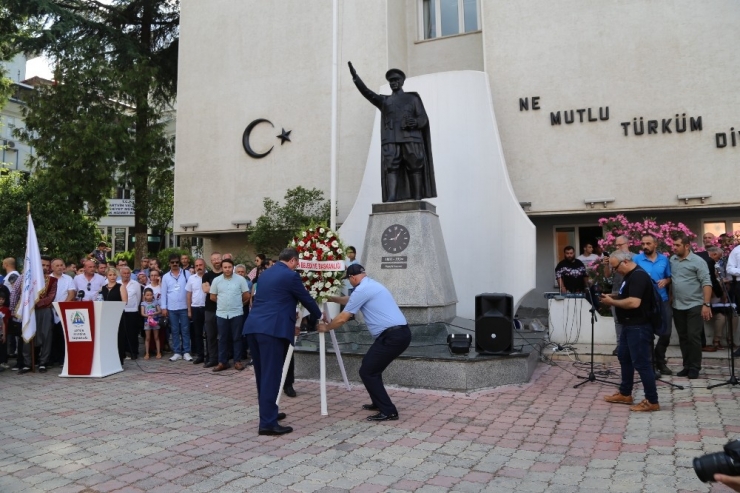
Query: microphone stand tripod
pixel 591 375
pixel 728 326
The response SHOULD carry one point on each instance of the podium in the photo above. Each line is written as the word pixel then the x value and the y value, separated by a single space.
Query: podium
pixel 90 337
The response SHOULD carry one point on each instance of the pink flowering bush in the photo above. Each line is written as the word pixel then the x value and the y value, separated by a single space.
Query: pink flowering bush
pixel 619 225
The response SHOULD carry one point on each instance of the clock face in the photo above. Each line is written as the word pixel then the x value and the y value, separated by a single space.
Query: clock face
pixel 395 238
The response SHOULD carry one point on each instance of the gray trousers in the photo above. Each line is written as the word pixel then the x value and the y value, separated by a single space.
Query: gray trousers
pixel 689 326
pixel 211 337
pixel 44 323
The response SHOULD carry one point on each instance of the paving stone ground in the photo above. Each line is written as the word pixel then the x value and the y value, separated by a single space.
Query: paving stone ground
pixel 180 428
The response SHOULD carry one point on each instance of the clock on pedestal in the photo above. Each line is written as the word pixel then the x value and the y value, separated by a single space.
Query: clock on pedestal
pixel 395 238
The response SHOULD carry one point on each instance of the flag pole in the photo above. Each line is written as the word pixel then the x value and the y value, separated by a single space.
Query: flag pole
pixel 333 164
pixel 33 348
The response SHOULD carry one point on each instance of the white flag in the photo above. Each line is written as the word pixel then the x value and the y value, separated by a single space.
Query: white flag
pixel 33 284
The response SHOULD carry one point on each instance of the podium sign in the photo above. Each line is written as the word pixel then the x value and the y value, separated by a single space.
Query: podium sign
pixel 90 337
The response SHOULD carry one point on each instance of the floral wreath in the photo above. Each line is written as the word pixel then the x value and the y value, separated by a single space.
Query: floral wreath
pixel 320 244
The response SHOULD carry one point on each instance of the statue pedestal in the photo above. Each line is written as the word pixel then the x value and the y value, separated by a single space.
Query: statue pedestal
pixel 405 251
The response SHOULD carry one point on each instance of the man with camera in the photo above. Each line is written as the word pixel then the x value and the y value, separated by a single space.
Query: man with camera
pixel 632 304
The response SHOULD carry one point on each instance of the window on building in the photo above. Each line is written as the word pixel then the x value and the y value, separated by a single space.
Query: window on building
pixel 577 237
pixel 448 17
pixel 122 193
pixel 719 226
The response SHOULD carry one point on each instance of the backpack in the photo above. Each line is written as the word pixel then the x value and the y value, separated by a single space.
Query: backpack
pixel 657 314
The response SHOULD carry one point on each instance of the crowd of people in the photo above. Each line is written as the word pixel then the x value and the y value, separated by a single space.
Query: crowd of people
pixel 699 291
pixel 186 310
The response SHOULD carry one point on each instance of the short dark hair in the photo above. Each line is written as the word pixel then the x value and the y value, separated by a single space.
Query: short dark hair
pixel 568 248
pixel 351 249
pixel 288 254
pixel 46 257
pixel 150 290
pixel 651 235
pixel 680 235
pixel 227 261
pixel 174 256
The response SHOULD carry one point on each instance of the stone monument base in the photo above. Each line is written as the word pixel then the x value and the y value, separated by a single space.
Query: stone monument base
pixel 405 251
pixel 427 363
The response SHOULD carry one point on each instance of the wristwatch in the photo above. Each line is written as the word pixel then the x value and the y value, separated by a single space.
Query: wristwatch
pixel 708 304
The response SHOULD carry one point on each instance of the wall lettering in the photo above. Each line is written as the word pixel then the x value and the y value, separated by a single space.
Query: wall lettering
pixel 524 103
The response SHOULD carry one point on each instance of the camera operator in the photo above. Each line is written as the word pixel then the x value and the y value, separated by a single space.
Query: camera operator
pixel 632 304
pixel 731 481
pixel 723 467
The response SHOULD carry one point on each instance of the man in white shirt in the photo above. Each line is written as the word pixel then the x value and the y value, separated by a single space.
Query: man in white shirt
pixel 196 300
pixel 175 308
pixel 733 272
pixel 131 322
pixel 89 281
pixel 65 292
pixel 588 256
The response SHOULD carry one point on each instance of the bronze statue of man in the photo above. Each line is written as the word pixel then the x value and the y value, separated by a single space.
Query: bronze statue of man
pixel 407 170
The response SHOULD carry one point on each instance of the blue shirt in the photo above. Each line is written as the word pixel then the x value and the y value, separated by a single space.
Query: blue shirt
pixel 377 306
pixel 173 291
pixel 229 295
pixel 660 269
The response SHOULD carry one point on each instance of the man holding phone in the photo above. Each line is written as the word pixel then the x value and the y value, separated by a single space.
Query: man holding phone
pixel 632 304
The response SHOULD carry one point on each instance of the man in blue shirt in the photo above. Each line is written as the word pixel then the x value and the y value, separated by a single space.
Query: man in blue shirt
pixel 659 268
pixel 230 292
pixel 388 327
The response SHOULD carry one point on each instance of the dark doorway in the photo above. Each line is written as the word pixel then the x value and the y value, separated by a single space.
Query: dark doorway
pixel 589 234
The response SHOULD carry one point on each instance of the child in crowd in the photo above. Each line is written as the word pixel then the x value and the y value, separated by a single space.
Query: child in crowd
pixel 150 310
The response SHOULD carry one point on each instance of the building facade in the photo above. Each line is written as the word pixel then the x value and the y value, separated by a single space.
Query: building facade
pixel 602 107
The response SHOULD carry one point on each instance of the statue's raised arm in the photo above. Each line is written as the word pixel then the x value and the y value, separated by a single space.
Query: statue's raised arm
pixel 375 99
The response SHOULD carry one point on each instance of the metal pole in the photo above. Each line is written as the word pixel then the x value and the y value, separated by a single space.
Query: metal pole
pixel 334 62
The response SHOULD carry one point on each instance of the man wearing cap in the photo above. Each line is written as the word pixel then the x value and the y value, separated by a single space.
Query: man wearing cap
pixel 407 170
pixel 388 327
pixel 271 321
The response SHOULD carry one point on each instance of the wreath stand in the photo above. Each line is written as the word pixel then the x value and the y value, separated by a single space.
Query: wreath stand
pixel 322 359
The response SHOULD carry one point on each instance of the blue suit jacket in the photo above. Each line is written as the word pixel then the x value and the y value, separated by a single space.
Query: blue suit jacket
pixel 279 290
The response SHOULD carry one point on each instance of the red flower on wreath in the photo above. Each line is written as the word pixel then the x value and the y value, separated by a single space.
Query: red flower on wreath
pixel 320 244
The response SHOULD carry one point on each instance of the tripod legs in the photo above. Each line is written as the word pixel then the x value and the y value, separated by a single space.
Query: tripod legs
pixel 728 329
pixel 592 376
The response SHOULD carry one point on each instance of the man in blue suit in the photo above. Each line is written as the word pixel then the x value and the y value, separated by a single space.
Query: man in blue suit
pixel 271 321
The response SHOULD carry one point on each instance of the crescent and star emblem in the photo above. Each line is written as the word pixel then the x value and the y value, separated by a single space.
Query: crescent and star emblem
pixel 284 136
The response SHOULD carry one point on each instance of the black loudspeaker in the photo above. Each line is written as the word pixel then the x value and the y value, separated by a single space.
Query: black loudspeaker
pixel 494 323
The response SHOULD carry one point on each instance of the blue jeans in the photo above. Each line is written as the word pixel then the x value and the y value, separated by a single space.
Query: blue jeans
pixel 180 329
pixel 229 329
pixel 635 354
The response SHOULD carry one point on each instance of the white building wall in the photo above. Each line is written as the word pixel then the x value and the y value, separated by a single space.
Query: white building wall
pixel 642 59
pixel 281 72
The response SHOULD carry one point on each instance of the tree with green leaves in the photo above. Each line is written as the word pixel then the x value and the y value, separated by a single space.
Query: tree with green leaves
pixel 101 124
pixel 278 223
pixel 61 231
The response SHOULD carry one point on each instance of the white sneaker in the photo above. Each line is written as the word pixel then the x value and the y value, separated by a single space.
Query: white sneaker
pixel 175 357
pixel 187 357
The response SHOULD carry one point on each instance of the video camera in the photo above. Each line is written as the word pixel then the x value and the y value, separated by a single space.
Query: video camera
pixel 727 462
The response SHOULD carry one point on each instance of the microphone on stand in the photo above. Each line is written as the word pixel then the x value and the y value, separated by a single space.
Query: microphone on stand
pixel 80 295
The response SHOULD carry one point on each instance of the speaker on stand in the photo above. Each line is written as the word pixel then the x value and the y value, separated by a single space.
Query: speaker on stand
pixel 494 323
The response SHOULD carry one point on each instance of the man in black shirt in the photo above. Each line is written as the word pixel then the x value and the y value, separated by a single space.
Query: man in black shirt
pixel 210 312
pixel 632 305
pixel 571 273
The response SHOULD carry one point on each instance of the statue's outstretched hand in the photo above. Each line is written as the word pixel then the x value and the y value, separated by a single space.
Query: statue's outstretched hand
pixel 352 70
